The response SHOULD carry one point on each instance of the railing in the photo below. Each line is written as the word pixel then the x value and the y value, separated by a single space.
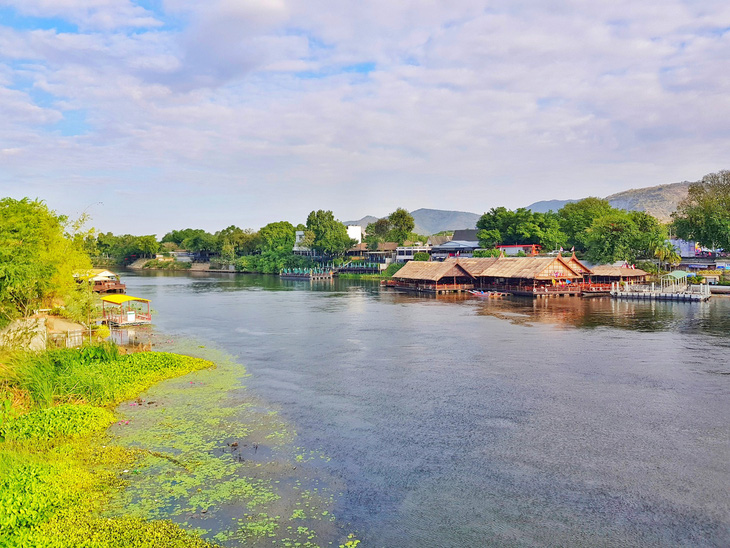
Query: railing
pixel 124 318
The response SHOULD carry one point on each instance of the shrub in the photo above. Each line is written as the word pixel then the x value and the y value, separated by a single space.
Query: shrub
pixel 421 256
pixel 486 253
pixel 392 269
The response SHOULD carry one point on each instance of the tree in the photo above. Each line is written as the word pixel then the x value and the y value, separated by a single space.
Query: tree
pixel 329 235
pixel 521 226
pixel 38 258
pixel 401 224
pixel 575 218
pixel 233 241
pixel 421 256
pixel 704 215
pixel 279 236
pixel 377 232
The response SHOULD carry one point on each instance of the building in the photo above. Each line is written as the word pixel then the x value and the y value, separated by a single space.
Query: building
pixel 404 254
pixel 530 250
pixel 355 232
pixel 454 248
pixel 433 277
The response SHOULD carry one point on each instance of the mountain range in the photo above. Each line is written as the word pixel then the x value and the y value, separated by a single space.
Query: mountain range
pixel 659 201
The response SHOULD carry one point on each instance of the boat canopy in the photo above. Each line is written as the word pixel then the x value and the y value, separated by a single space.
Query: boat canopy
pixel 119 299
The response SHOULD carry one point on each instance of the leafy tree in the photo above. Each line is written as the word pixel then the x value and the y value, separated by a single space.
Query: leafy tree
pixel 200 242
pixel 610 237
pixel 329 235
pixel 421 256
pixel 38 258
pixel 279 236
pixel 377 232
pixel 401 225
pixel 704 215
pixel 234 241
pixel 575 218
pixel 487 253
pixel 521 226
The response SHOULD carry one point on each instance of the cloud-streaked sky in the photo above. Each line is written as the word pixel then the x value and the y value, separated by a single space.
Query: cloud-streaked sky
pixel 177 113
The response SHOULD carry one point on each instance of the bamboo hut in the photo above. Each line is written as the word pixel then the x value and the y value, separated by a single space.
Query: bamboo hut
pixel 433 277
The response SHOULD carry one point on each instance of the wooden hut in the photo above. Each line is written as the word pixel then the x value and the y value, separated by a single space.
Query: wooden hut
pixel 607 274
pixel 433 277
pixel 534 276
pixel 122 310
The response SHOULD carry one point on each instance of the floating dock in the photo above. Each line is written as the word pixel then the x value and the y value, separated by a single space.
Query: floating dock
pixel 697 293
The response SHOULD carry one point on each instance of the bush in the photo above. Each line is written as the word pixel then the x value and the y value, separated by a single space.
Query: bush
pixel 392 269
pixel 421 256
pixel 486 253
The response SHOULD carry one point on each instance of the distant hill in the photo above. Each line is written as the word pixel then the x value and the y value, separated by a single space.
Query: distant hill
pixel 659 201
pixel 431 221
pixel 548 205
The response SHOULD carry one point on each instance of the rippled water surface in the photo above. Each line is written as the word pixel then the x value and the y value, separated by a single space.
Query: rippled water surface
pixel 464 422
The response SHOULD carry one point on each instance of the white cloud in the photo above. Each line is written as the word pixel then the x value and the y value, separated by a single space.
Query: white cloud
pixel 88 14
pixel 467 105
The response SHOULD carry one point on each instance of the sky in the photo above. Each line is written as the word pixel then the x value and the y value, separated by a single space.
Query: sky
pixel 153 115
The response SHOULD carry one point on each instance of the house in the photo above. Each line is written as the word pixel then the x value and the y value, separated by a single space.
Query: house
pixel 607 274
pixel 530 250
pixel 404 254
pixel 454 248
pixel 467 235
pixel 534 276
pixel 104 281
pixel 433 277
pixel 384 254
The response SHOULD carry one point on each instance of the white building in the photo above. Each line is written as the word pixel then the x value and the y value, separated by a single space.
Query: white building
pixel 355 233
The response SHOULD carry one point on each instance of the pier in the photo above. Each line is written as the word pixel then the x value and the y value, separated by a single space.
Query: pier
pixel 689 293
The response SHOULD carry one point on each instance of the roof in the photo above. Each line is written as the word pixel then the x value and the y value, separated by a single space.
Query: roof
pixel 119 299
pixel 617 271
pixel 431 271
pixel 577 265
pixel 382 246
pixel 540 268
pixel 677 274
pixel 438 240
pixel 457 245
pixel 468 234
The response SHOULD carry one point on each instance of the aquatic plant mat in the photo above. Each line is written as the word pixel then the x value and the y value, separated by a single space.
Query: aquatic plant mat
pixel 193 461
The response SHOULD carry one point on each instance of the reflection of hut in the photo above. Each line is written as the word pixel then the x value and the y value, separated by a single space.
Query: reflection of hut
pixel 433 277
pixel 606 274
pixel 123 310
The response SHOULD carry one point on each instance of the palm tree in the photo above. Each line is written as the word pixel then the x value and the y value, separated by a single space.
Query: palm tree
pixel 666 253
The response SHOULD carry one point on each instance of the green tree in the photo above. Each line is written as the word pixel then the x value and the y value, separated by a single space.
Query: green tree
pixel 521 226
pixel 704 215
pixel 421 256
pixel 38 258
pixel 329 235
pixel 401 225
pixel 377 232
pixel 279 236
pixel 575 218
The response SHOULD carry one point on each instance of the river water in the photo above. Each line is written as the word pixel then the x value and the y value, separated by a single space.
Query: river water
pixel 465 422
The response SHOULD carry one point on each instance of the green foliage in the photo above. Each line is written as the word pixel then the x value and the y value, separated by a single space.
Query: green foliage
pixel 38 258
pixel 704 215
pixel 125 248
pixel 521 226
pixel 233 242
pixel 157 264
pixel 271 262
pixel 486 253
pixel 421 256
pixel 393 268
pixel 329 235
pixel 95 374
pixel 623 236
pixel 278 237
pixel 396 227
pixel 577 217
pixel 52 422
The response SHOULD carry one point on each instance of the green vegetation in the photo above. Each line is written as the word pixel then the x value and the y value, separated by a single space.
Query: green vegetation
pixel 326 235
pixel 40 251
pixel 57 470
pixel 522 226
pixel 421 256
pixel 487 253
pixel 396 227
pixel 161 264
pixel 704 215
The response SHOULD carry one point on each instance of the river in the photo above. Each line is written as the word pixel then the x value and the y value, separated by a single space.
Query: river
pixel 465 422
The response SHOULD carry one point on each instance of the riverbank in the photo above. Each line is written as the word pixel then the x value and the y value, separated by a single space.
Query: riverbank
pixel 167 472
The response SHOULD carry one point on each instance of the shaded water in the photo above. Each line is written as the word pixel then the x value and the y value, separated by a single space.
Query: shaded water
pixel 471 422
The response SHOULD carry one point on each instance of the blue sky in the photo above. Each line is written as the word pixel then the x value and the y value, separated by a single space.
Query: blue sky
pixel 161 114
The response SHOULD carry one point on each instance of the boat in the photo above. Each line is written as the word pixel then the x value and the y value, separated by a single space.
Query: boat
pixel 488 294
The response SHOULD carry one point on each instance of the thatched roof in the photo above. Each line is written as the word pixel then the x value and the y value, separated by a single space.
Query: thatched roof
pixel 539 268
pixel 607 270
pixel 430 271
pixel 576 265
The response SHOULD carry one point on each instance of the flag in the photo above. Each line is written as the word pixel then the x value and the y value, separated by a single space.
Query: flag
pixel 572 249
pixel 561 249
